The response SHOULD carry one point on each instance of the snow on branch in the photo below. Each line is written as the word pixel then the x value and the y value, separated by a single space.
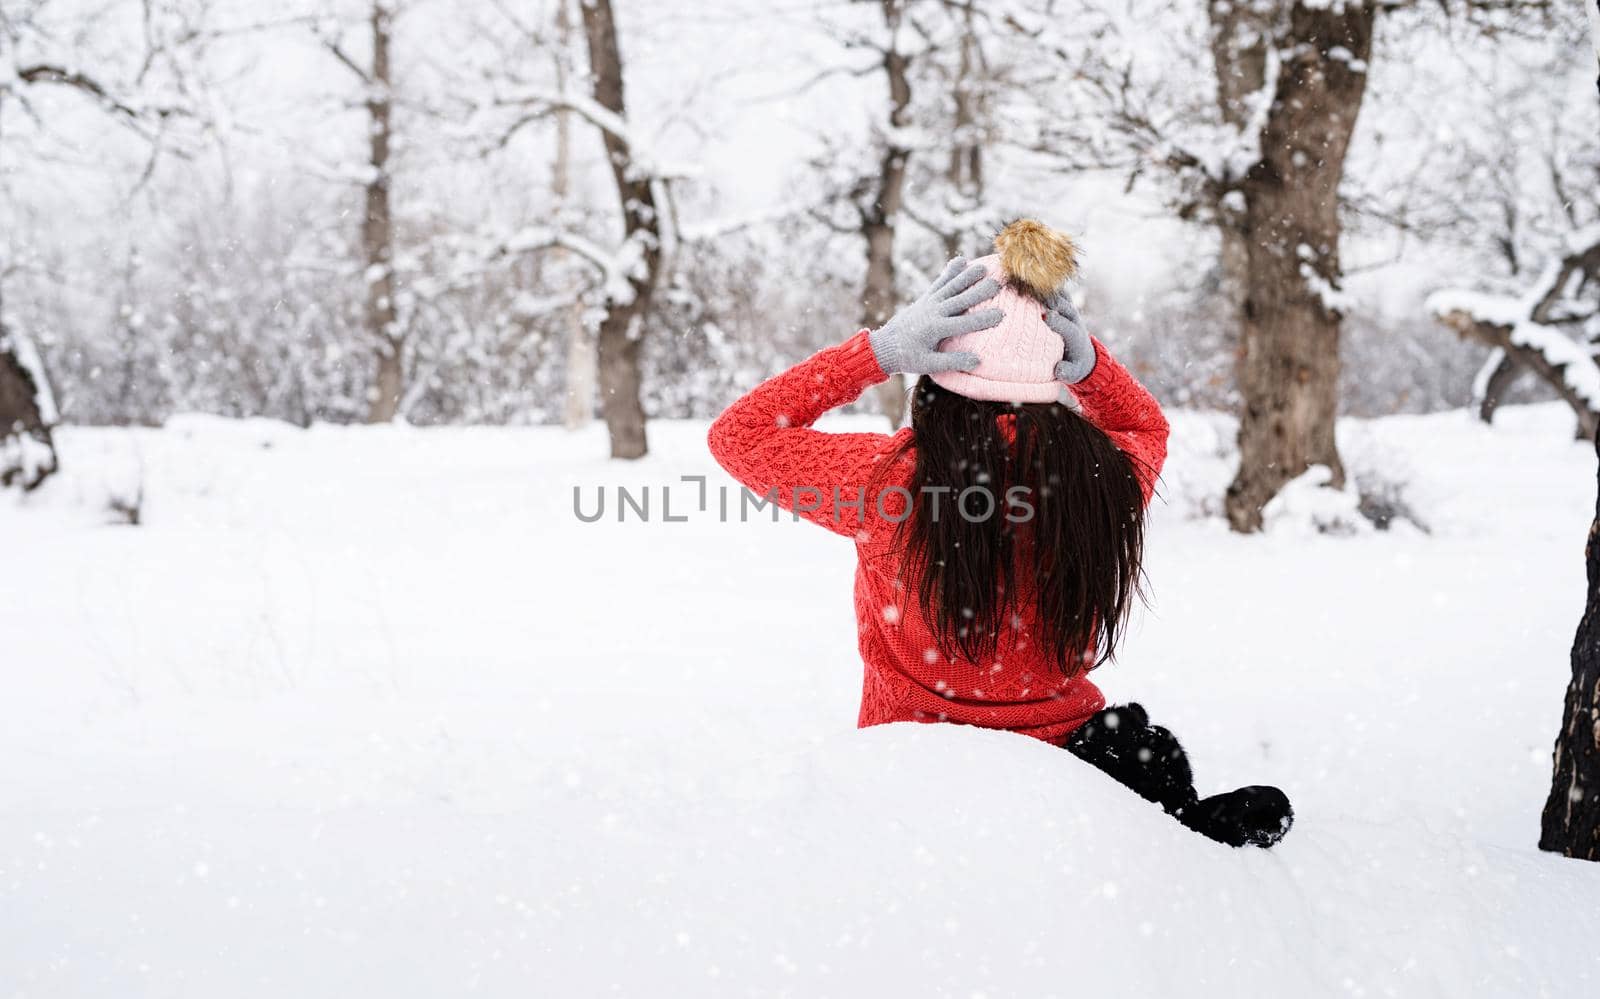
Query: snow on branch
pixel 1334 300
pixel 643 161
pixel 543 238
pixel 711 230
pixel 1235 158
pixel 76 80
pixel 1477 306
pixel 1556 357
pixel 28 359
pixel 1529 327
pixel 616 267
pixel 27 412
pixel 1483 381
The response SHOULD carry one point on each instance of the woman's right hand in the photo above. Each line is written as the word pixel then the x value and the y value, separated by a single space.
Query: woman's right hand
pixel 1077 361
pixel 909 341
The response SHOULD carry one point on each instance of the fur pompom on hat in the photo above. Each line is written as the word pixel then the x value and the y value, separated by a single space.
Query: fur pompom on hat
pixel 1036 256
pixel 1017 359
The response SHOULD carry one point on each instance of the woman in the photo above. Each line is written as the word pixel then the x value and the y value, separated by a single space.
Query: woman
pixel 1000 536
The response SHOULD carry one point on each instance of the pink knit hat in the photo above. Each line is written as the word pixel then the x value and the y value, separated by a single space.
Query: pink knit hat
pixel 1016 359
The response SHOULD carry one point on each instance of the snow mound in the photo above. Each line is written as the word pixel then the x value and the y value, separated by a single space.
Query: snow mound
pixel 902 860
pixel 937 860
pixel 368 711
pixel 1308 504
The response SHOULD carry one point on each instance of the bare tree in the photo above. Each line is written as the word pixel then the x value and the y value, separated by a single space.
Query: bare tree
pixel 628 276
pixel 380 316
pixel 926 163
pixel 377 225
pixel 1284 208
pixel 1570 823
pixel 1264 164
pixel 27 450
pixel 1292 76
pixel 1536 302
pixel 27 412
pixel 27 407
pixel 621 330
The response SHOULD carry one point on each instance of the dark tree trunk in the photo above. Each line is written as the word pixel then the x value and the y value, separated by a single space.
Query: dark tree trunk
pixel 621 331
pixel 27 451
pixel 1497 385
pixel 1240 33
pixel 1570 824
pixel 880 217
pixel 1289 332
pixel 377 231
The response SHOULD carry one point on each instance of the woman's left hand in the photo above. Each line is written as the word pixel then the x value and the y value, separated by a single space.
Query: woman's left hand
pixel 1062 318
pixel 909 341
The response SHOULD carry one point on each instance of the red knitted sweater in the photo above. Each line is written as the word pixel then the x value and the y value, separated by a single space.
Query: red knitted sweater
pixel 765 441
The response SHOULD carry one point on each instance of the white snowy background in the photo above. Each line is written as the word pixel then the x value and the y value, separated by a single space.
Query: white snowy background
pixel 369 711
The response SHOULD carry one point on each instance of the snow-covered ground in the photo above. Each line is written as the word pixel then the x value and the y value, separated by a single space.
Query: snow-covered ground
pixel 371 712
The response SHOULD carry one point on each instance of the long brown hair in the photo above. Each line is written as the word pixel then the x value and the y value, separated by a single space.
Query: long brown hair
pixel 1082 543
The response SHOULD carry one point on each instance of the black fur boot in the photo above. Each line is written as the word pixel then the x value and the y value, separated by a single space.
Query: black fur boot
pixel 1143 757
pixel 1257 815
pixel 1149 760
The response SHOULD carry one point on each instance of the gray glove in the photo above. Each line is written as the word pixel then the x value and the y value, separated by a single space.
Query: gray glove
pixel 909 341
pixel 1062 317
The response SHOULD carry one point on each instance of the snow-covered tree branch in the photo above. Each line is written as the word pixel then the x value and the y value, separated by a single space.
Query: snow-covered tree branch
pixel 34 60
pixel 1548 329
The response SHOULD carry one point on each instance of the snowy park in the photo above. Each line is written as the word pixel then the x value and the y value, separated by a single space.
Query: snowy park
pixel 471 479
pixel 379 735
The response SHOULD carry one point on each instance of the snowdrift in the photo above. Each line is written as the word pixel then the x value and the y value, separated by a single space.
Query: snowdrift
pixel 371 712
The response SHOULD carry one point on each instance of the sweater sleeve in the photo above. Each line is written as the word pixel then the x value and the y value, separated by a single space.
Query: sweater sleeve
pixel 765 440
pixel 1126 412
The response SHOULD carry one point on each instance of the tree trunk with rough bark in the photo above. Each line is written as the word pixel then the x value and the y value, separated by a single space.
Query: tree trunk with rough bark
pixel 621 331
pixel 1570 824
pixel 880 217
pixel 1240 33
pixel 27 450
pixel 377 230
pixel 1289 329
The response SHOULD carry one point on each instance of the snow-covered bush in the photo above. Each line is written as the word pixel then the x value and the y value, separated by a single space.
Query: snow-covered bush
pixel 1310 505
